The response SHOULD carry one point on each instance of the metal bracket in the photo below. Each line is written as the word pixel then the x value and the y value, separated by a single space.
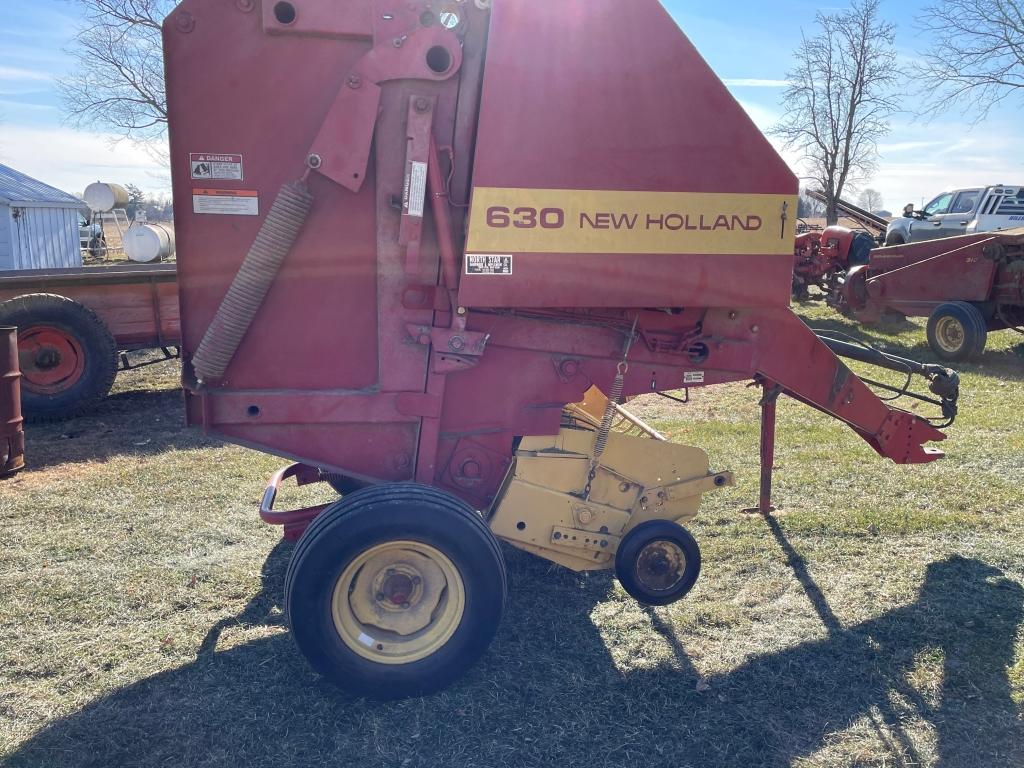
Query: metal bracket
pixel 589 540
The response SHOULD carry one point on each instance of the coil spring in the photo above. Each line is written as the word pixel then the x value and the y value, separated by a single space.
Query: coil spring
pixel 259 268
pixel 614 396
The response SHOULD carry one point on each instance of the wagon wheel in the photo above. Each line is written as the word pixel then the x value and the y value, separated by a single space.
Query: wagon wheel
pixel 68 357
pixel 395 591
pixel 957 331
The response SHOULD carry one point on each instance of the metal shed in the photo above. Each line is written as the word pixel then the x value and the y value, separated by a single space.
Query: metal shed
pixel 39 225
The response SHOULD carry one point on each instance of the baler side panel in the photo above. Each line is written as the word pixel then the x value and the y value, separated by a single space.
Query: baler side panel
pixel 305 334
pixel 591 97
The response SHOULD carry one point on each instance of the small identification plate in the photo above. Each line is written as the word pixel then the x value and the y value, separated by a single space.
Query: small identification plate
pixel 488 265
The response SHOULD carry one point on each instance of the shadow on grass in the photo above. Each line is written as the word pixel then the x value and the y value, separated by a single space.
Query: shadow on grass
pixel 548 693
pixel 134 423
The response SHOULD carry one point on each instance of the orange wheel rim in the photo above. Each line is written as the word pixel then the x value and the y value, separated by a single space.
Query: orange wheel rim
pixel 51 360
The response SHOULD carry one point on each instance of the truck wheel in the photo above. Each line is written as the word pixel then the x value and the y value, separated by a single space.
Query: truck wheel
pixel 894 238
pixel 68 357
pixel 395 591
pixel 658 562
pixel 957 331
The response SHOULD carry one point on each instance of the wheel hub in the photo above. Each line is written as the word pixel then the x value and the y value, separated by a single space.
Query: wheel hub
pixel 398 602
pixel 660 565
pixel 51 360
pixel 950 334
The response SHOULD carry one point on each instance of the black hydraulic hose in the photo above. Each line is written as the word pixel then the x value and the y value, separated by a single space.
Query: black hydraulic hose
pixel 942 382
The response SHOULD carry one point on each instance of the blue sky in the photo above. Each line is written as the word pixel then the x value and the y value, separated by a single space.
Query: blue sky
pixel 749 43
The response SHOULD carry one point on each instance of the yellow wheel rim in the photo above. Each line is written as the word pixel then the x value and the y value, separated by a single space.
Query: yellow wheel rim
pixel 398 602
pixel 949 333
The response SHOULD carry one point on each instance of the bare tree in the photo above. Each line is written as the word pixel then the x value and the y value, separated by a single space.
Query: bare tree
pixel 871 200
pixel 975 54
pixel 839 98
pixel 117 83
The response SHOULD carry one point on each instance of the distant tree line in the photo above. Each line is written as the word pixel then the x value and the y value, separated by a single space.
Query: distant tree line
pixel 154 207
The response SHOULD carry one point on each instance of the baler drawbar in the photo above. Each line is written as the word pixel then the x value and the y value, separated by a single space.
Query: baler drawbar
pixel 441 245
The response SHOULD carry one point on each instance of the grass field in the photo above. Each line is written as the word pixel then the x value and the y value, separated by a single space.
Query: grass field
pixel 876 620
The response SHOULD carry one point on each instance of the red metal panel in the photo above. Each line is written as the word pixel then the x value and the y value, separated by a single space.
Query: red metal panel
pixel 577 96
pixel 265 97
pixel 600 95
pixel 139 307
pixel 915 278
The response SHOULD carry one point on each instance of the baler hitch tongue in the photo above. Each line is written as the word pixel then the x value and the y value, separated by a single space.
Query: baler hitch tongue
pixel 943 382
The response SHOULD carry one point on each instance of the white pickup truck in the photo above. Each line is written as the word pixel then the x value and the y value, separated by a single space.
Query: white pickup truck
pixel 960 212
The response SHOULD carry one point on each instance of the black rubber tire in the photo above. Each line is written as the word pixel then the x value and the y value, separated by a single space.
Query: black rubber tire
pixel 91 334
pixel 633 544
pixel 894 238
pixel 98 247
pixel 365 519
pixel 344 485
pixel 974 326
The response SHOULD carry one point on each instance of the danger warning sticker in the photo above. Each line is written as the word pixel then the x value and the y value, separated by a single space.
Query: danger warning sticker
pixel 693 377
pixel 217 167
pixel 488 265
pixel 226 202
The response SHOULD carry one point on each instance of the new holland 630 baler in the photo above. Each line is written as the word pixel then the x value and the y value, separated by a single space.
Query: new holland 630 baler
pixel 427 249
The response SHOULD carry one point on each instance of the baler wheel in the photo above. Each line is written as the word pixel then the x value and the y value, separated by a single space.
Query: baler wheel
pixel 658 562
pixel 395 591
pixel 957 331
pixel 68 356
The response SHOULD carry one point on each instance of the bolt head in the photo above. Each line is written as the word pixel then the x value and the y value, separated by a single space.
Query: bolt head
pixel 185 22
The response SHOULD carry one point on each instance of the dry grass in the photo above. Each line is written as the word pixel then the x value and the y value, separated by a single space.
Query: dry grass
pixel 876 623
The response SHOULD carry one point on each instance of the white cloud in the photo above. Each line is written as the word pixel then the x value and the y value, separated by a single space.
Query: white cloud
pixel 71 160
pixel 753 82
pixel 21 74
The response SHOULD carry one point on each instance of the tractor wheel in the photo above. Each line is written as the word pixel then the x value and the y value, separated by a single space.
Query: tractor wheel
pixel 957 331
pixel 894 238
pixel 658 562
pixel 68 357
pixel 395 591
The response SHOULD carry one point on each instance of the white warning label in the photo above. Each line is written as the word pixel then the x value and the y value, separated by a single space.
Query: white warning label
pixel 415 189
pixel 488 264
pixel 217 167
pixel 226 202
pixel 693 377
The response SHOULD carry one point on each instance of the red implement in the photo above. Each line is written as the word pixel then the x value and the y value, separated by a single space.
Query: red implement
pixel 455 225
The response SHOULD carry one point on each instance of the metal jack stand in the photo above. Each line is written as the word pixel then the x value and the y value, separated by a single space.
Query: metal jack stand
pixel 768 408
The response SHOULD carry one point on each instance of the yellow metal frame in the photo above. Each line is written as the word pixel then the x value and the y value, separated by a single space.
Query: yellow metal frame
pixel 543 506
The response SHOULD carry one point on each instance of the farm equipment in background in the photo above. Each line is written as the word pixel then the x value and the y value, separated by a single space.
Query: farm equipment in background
pixel 77 326
pixel 462 238
pixel 820 256
pixel 966 286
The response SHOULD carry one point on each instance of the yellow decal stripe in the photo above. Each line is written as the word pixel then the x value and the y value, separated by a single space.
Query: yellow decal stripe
pixel 597 221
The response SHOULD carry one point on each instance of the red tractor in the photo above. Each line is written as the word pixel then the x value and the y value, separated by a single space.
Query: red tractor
pixel 820 257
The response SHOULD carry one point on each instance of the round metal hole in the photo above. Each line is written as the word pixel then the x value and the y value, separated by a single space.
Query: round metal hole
pixel 698 353
pixel 285 13
pixel 521 526
pixel 253 411
pixel 439 60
